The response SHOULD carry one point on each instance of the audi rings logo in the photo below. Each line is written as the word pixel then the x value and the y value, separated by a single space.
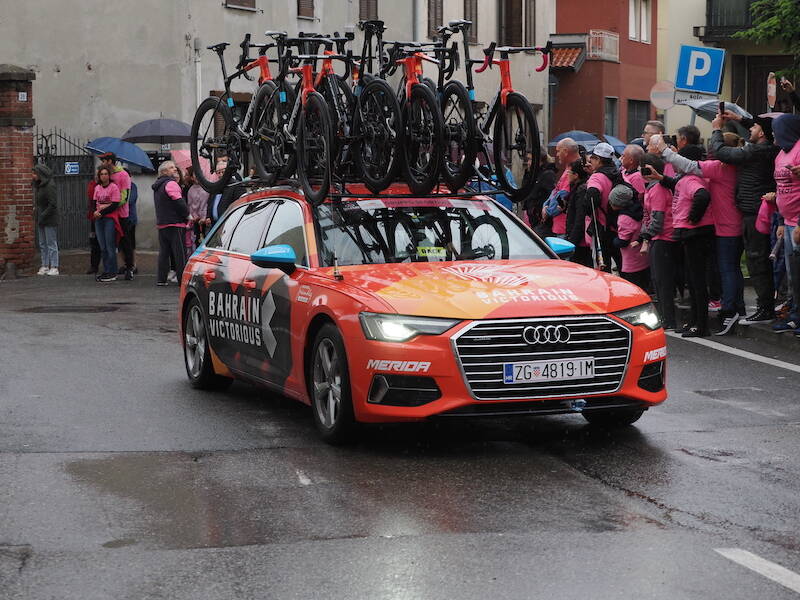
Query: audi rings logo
pixel 546 334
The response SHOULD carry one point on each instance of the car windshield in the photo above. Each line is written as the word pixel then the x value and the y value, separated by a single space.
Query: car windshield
pixel 394 230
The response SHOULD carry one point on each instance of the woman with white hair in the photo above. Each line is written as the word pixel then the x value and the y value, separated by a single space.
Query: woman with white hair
pixel 171 216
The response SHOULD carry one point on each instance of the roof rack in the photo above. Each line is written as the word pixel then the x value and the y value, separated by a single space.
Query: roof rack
pixel 458 194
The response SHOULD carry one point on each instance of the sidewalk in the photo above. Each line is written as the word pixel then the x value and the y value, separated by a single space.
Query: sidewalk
pixel 76 262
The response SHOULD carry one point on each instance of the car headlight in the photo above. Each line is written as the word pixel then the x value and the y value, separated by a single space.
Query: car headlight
pixel 400 328
pixel 641 315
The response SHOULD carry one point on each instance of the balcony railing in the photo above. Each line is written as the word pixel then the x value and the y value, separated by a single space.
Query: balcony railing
pixel 603 45
pixel 724 18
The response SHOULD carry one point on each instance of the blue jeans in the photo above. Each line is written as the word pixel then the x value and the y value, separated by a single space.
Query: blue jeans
pixel 48 245
pixel 107 238
pixel 791 254
pixel 729 256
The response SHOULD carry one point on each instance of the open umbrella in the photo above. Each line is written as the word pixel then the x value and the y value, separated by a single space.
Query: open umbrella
pixel 707 109
pixel 616 143
pixel 159 131
pixel 584 138
pixel 125 151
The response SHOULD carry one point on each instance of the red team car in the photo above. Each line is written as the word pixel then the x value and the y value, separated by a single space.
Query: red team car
pixel 393 308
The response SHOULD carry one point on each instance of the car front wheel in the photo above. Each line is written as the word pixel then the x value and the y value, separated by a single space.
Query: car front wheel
pixel 329 387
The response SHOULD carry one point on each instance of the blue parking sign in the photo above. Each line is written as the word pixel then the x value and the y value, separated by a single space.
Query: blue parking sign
pixel 700 69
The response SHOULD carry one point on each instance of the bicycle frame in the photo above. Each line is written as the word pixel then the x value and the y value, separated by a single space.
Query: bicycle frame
pixel 412 69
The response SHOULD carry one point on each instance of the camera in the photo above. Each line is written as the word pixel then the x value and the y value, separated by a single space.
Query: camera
pixel 647 171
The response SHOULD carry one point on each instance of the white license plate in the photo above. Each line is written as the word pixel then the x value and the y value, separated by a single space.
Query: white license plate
pixel 549 370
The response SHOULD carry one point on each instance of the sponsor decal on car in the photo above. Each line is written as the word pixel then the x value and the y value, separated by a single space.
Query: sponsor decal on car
pixel 527 295
pixel 304 294
pixel 656 354
pixel 398 366
pixel 233 317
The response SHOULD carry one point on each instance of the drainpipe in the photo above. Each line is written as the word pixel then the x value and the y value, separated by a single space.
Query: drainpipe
pixel 414 27
pixel 198 71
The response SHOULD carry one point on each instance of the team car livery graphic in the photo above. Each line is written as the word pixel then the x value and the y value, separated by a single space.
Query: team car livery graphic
pixel 401 309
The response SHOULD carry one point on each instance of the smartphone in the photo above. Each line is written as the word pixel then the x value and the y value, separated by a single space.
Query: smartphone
pixel 646 171
pixel 722 108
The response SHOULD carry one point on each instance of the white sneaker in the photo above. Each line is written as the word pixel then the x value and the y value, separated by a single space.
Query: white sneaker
pixel 43 270
pixel 172 277
pixel 53 271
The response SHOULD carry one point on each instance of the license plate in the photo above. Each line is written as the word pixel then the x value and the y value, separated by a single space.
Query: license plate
pixel 549 370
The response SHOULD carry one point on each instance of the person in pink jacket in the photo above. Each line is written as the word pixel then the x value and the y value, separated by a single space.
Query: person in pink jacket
pixel 106 222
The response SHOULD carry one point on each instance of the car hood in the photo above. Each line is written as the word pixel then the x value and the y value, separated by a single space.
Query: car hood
pixel 497 289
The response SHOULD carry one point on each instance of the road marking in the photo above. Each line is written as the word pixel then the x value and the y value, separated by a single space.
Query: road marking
pixel 737 352
pixel 303 478
pixel 762 566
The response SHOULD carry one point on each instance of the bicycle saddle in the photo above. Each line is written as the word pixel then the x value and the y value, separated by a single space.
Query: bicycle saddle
pixel 275 34
pixel 219 47
pixel 459 24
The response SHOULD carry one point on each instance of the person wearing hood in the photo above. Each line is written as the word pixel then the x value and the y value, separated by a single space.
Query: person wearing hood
pixel 545 182
pixel 46 218
pixel 600 224
pixel 755 163
pixel 728 226
pixel 635 264
pixel 171 216
pixel 787 197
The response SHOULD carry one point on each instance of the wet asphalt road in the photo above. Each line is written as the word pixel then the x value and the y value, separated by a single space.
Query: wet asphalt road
pixel 119 481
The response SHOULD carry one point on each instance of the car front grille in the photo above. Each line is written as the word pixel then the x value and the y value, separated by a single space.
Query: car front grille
pixel 484 346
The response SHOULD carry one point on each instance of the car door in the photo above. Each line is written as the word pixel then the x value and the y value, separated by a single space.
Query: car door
pixel 272 290
pixel 233 314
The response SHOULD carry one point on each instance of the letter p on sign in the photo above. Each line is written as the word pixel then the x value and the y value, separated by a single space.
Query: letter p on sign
pixel 699 66
pixel 700 69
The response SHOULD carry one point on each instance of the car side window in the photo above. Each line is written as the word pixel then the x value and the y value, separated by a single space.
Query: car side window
pixel 223 233
pixel 250 229
pixel 288 227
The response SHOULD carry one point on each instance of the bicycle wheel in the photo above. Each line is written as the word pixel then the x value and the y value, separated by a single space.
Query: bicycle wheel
pixel 488 239
pixel 314 149
pixel 422 120
pixel 273 154
pixel 517 150
pixel 213 137
pixel 377 133
pixel 460 133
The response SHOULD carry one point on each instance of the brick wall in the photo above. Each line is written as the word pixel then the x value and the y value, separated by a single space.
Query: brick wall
pixel 16 161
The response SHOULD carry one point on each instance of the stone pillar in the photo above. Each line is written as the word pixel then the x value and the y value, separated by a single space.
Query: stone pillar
pixel 16 161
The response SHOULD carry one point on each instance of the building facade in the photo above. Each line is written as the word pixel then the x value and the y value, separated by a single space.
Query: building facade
pixel 102 67
pixel 604 67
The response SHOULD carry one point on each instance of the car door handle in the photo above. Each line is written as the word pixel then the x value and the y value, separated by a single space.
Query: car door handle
pixel 250 284
pixel 210 276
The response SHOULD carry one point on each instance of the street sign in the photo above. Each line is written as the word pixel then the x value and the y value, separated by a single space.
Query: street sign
pixel 662 95
pixel 72 168
pixel 700 69
pixel 682 97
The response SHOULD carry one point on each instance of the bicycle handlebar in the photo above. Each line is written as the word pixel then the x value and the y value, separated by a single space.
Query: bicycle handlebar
pixel 488 60
pixel 488 56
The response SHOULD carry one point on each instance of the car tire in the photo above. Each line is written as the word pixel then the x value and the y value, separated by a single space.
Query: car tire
pixel 328 379
pixel 613 418
pixel 197 352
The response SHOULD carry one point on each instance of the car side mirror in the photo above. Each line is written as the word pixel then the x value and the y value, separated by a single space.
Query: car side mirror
pixel 279 256
pixel 562 248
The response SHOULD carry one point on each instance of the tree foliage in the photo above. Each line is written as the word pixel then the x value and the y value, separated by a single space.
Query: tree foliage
pixel 776 21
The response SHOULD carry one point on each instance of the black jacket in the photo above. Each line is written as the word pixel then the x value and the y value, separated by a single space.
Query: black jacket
pixel 544 185
pixel 44 190
pixel 231 193
pixel 168 210
pixel 577 211
pixel 756 165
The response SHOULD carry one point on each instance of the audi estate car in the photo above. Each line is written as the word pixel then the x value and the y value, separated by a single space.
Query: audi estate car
pixel 395 308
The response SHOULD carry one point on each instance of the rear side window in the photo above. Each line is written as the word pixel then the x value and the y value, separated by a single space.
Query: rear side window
pixel 223 233
pixel 250 229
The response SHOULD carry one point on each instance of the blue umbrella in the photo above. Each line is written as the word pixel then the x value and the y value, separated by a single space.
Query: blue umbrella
pixel 584 138
pixel 125 151
pixel 616 143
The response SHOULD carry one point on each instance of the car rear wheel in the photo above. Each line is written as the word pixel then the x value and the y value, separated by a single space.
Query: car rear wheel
pixel 329 387
pixel 614 418
pixel 197 353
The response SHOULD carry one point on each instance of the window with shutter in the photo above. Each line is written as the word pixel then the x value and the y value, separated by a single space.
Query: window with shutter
pixel 248 4
pixel 435 16
pixel 471 14
pixel 305 8
pixel 511 22
pixel 367 10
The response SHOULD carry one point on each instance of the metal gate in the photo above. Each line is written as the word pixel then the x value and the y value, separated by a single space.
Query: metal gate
pixel 73 168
